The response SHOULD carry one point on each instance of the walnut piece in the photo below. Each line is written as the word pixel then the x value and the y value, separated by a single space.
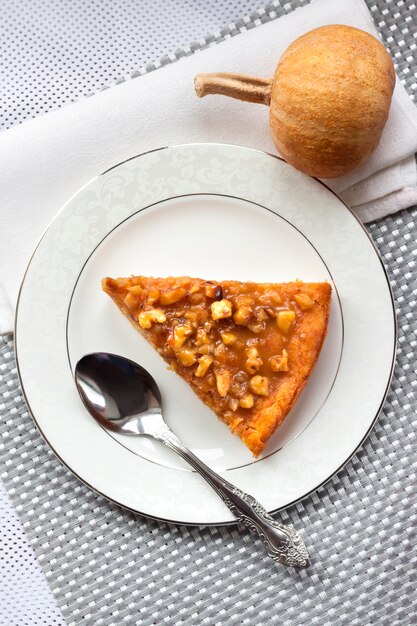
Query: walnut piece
pixel 180 334
pixel 259 385
pixel 195 298
pixel 173 295
pixel 285 321
pixel 233 403
pixel 221 309
pixel 131 301
pixel 201 337
pixel 261 314
pixel 153 295
pixel 243 315
pixel 279 363
pixel 243 300
pixel 205 349
pixel 223 380
pixel 304 301
pixel 204 363
pixel 214 291
pixel 253 360
pixel 191 316
pixel 270 298
pixel 186 357
pixel 247 402
pixel 220 352
pixel 229 339
pixel 257 327
pixel 151 316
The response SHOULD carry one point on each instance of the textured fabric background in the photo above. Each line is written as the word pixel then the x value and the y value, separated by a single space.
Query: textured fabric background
pixel 25 596
pixel 107 566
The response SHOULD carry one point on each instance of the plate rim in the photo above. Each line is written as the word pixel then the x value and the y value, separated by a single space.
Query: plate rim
pixel 383 399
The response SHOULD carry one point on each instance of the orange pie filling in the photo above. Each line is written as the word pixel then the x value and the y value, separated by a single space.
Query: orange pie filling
pixel 246 349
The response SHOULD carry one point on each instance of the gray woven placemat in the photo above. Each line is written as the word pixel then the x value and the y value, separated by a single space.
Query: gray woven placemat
pixel 107 566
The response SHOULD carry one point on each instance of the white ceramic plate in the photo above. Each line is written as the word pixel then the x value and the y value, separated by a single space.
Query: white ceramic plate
pixel 217 212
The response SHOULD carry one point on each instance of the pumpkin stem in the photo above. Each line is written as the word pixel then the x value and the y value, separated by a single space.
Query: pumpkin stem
pixel 239 86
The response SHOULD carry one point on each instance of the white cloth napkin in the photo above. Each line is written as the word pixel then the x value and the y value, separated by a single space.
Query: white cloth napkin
pixel 46 160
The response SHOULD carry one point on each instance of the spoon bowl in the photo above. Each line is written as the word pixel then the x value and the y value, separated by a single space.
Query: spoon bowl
pixel 119 393
pixel 123 397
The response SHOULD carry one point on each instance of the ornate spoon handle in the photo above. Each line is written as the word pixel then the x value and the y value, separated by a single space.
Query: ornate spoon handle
pixel 283 543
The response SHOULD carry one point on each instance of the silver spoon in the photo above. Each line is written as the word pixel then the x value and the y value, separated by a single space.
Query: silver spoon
pixel 122 396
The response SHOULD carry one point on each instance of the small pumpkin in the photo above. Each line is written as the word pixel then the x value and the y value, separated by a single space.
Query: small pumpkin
pixel 329 98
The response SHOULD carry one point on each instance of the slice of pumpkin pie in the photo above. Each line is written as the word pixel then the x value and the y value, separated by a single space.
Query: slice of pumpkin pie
pixel 246 349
